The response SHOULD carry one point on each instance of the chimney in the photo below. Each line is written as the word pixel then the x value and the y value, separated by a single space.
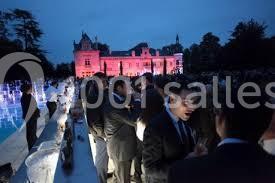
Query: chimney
pixel 96 43
pixel 133 53
pixel 145 52
pixel 157 53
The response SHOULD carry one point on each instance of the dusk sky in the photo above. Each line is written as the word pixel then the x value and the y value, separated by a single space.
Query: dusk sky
pixel 124 23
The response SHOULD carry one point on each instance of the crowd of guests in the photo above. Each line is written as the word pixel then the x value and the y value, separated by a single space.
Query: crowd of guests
pixel 170 138
pixel 175 141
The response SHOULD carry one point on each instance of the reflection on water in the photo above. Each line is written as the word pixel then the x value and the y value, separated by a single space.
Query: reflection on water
pixel 10 107
pixel 10 120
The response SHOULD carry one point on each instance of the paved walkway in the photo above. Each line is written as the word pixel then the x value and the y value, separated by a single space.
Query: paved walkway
pixel 111 166
pixel 15 148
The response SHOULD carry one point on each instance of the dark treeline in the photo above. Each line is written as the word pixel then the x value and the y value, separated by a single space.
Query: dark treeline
pixel 248 48
pixel 21 32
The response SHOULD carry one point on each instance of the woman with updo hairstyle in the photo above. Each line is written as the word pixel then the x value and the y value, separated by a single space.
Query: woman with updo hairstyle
pixel 154 105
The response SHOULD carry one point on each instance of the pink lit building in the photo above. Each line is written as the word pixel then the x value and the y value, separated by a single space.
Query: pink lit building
pixel 89 60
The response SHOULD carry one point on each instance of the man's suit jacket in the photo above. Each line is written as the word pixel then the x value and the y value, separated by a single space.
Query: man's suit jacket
pixel 30 111
pixel 95 116
pixel 230 163
pixel 119 128
pixel 162 147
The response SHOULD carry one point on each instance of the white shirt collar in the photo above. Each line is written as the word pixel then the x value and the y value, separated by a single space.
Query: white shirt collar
pixel 174 118
pixel 166 101
pixel 231 141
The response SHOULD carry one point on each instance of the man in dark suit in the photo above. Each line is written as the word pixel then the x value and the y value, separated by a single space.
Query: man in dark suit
pixel 238 157
pixel 119 128
pixel 95 118
pixel 30 114
pixel 168 138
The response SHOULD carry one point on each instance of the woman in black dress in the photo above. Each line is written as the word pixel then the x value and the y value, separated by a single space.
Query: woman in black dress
pixel 30 113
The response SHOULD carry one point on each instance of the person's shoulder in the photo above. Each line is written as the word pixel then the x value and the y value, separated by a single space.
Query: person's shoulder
pixel 192 162
pixel 159 119
pixel 188 168
pixel 156 126
pixel 269 159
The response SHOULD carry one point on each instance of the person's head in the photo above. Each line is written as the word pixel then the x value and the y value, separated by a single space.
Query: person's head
pixel 179 104
pixel 136 86
pixel 120 87
pixel 159 84
pixel 154 105
pixel 26 88
pixel 242 122
pixel 148 80
pixel 103 78
pixel 54 84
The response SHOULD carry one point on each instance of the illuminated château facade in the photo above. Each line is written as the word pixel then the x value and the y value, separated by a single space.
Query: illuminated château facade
pixel 89 60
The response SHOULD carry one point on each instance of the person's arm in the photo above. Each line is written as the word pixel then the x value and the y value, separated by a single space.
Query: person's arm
pixel 37 110
pixel 123 115
pixel 25 106
pixel 171 176
pixel 95 118
pixel 153 160
pixel 135 109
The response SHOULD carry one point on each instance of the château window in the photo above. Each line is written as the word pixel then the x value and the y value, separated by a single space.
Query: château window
pixel 86 46
pixel 146 64
pixel 88 73
pixel 87 62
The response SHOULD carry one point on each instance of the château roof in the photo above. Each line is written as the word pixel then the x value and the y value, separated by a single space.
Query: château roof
pixel 120 53
pixel 84 39
pixel 86 43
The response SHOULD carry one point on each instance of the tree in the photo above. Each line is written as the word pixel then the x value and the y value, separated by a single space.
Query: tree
pixel 164 67
pixel 103 48
pixel 26 28
pixel 271 54
pixel 138 48
pixel 247 46
pixel 7 46
pixel 105 68
pixel 64 70
pixel 73 68
pixel 47 66
pixel 186 59
pixel 249 30
pixel 172 49
pixel 209 51
pixel 121 68
pixel 152 66
pixel 4 32
pixel 27 38
pixel 194 57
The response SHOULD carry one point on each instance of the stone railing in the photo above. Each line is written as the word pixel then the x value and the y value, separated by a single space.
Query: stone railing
pixel 82 165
